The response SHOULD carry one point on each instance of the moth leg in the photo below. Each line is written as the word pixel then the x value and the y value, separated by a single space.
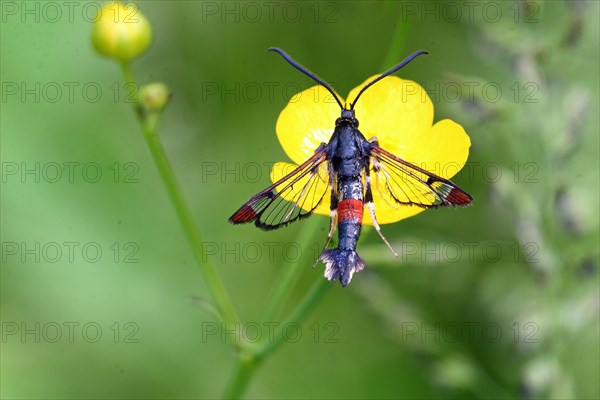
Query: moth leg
pixel 374 141
pixel 332 222
pixel 371 207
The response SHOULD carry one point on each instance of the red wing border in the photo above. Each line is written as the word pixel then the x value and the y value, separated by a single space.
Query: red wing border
pixel 269 210
pixel 410 185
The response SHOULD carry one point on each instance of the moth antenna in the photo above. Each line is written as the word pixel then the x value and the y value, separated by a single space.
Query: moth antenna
pixel 391 71
pixel 305 71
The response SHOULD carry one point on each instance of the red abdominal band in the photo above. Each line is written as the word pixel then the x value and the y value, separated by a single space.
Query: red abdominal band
pixel 350 210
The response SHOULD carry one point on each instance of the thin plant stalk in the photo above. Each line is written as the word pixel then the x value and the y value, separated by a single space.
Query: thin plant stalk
pixel 244 370
pixel 148 123
pixel 289 275
pixel 248 362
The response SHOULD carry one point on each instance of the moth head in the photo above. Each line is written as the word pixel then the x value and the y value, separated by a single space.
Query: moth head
pixel 347 116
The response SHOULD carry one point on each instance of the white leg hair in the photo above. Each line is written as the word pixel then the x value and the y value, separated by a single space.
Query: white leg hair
pixel 371 207
pixel 332 225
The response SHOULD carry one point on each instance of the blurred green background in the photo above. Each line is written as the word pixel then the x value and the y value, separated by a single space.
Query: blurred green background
pixel 101 296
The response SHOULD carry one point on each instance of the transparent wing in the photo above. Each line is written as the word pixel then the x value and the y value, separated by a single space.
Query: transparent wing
pixel 292 197
pixel 407 184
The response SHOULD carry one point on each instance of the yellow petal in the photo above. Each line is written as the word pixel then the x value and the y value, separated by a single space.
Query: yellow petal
pixel 281 169
pixel 397 111
pixel 307 121
pixel 443 149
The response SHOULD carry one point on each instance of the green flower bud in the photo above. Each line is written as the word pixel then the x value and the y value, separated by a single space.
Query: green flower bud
pixel 155 96
pixel 121 32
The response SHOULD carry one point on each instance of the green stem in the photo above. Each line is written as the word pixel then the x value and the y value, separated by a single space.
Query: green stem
pixel 249 361
pixel 148 124
pixel 244 370
pixel 290 274
pixel 310 301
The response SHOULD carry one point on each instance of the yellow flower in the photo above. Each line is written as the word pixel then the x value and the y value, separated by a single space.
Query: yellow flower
pixel 398 112
pixel 121 32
